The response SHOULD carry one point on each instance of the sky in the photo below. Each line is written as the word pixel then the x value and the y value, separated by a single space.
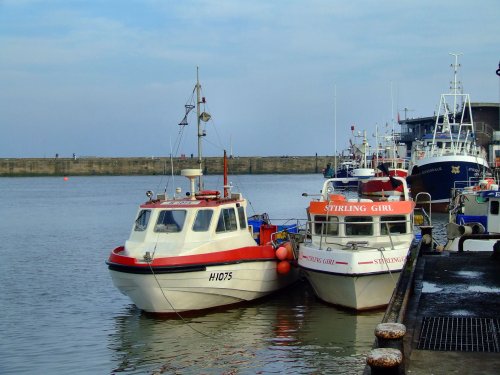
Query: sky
pixel 111 78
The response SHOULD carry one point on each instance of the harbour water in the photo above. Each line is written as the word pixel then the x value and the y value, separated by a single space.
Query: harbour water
pixel 62 315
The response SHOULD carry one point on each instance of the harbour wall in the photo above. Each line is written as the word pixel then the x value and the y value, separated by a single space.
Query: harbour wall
pixel 95 166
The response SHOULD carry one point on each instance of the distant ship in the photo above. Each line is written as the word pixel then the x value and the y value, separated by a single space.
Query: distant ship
pixel 449 156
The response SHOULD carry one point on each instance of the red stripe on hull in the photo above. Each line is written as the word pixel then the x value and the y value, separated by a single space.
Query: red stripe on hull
pixel 242 254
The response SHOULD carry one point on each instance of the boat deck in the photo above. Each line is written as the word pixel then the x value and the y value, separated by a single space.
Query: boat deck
pixel 453 315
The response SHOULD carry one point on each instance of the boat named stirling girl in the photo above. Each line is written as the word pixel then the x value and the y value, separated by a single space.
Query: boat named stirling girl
pixel 195 252
pixel 357 246
pixel 450 153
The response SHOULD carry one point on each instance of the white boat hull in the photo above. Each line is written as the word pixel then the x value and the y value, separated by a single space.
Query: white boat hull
pixel 355 292
pixel 216 286
pixel 358 279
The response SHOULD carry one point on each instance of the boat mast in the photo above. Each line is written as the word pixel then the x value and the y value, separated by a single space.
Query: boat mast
pixel 455 87
pixel 335 128
pixel 226 186
pixel 200 133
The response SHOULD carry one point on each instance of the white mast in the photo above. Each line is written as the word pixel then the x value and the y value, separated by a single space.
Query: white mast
pixel 393 136
pixel 335 128
pixel 455 84
pixel 200 133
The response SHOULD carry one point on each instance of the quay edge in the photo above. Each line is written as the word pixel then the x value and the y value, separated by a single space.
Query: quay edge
pixel 451 287
pixel 108 166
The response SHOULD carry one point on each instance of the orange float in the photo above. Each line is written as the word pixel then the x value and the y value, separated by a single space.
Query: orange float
pixel 283 267
pixel 281 253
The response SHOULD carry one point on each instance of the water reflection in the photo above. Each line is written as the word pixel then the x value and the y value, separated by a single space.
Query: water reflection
pixel 289 332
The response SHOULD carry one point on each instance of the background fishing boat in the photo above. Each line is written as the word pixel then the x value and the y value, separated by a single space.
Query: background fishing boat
pixel 450 153
pixel 474 216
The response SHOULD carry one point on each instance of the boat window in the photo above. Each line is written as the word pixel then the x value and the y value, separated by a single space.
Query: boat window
pixel 202 221
pixel 142 220
pixel 358 226
pixel 227 221
pixel 494 207
pixel 321 226
pixel 396 224
pixel 241 217
pixel 170 221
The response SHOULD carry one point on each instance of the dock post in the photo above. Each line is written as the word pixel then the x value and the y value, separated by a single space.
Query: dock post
pixel 496 251
pixel 385 361
pixel 427 240
pixel 387 358
pixel 390 335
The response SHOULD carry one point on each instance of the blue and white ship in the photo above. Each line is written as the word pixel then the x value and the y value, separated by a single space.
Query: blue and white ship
pixel 450 153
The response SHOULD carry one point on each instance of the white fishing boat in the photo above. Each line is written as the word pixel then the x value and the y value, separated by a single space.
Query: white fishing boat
pixel 357 246
pixel 388 159
pixel 450 153
pixel 474 217
pixel 196 251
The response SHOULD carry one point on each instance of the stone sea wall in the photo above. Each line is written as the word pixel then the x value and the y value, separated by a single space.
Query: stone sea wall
pixel 94 166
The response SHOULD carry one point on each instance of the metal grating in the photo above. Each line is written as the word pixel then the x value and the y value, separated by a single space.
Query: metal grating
pixel 460 334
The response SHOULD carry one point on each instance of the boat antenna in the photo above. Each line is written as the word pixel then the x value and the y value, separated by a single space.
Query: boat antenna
pixel 200 133
pixel 393 136
pixel 335 127
pixel 226 186
pixel 171 168
pixel 455 84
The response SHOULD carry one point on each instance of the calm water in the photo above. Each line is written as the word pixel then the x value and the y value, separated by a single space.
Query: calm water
pixel 60 313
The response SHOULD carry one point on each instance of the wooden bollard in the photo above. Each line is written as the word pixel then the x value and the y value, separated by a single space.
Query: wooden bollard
pixel 496 251
pixel 384 361
pixel 427 240
pixel 390 335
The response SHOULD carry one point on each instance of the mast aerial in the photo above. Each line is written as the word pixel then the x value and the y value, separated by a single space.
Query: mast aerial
pixel 200 116
pixel 335 128
pixel 200 133
pixel 455 85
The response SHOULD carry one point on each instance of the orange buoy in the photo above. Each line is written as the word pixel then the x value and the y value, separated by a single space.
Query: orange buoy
pixel 289 251
pixel 281 253
pixel 283 267
pixel 65 178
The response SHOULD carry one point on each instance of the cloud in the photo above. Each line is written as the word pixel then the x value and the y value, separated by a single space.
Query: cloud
pixel 268 69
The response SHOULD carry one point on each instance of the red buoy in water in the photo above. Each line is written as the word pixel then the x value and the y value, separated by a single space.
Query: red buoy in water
pixel 283 267
pixel 281 253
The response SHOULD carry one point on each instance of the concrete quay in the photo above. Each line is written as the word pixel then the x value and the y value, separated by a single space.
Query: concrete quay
pixel 449 303
pixel 96 166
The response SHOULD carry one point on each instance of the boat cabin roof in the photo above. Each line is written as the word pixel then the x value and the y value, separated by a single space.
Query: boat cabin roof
pixel 193 202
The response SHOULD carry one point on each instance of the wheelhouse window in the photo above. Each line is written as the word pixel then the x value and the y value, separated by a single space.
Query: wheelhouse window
pixel 392 224
pixel 322 226
pixel 203 220
pixel 170 221
pixel 227 221
pixel 242 218
pixel 141 223
pixel 494 208
pixel 358 226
